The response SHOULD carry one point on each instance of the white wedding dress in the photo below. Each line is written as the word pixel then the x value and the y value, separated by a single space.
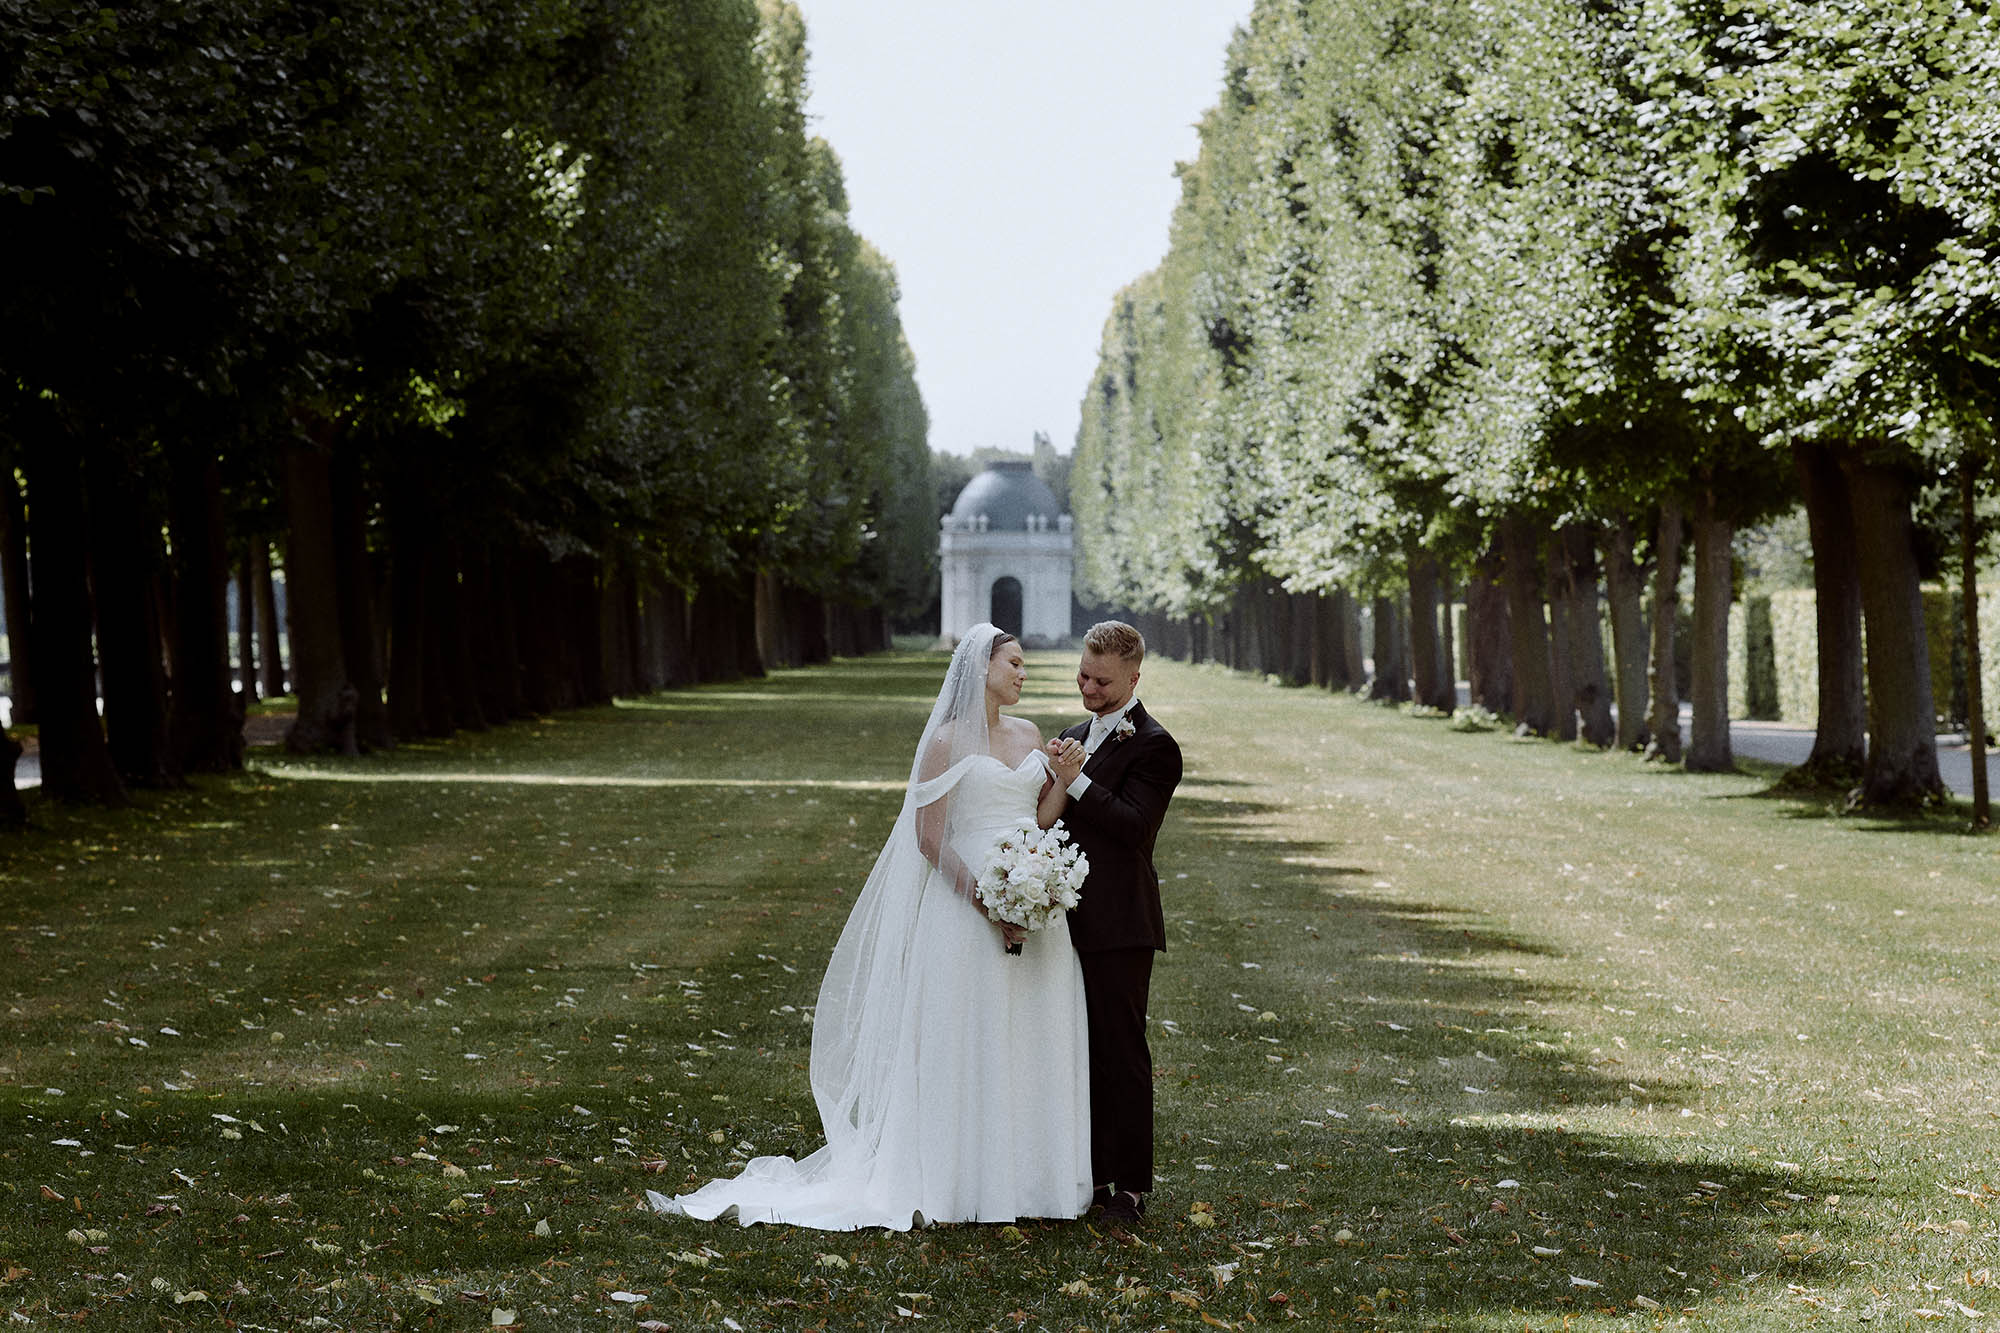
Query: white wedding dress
pixel 979 1085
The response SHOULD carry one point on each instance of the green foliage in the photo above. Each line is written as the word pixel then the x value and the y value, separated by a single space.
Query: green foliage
pixel 566 268
pixel 1440 263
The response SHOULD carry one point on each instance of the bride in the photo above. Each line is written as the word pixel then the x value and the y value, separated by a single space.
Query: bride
pixel 952 1077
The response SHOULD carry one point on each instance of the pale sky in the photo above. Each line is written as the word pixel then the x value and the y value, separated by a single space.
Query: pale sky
pixel 1016 162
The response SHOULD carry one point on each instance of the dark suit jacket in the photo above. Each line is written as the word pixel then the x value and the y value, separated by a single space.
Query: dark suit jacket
pixel 1115 824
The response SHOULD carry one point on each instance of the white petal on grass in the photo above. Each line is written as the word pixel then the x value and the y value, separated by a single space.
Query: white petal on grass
pixel 628 1297
pixel 1576 1281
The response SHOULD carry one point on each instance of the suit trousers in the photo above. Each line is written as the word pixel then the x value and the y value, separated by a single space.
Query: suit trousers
pixel 1115 983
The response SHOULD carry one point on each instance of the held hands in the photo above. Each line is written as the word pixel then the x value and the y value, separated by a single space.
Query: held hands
pixel 1066 758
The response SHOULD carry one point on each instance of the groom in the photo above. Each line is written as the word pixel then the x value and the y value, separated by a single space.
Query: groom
pixel 1121 769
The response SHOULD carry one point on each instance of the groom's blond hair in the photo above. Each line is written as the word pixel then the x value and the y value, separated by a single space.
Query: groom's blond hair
pixel 1115 638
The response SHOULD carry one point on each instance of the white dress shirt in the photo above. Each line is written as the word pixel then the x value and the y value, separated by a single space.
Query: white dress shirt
pixel 1100 727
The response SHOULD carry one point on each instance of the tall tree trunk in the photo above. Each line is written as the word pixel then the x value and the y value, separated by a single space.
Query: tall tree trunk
pixel 206 720
pixel 76 762
pixel 1623 590
pixel 1562 637
pixel 773 640
pixel 496 633
pixel 586 636
pixel 1275 624
pixel 1968 595
pixel 270 636
pixel 677 651
pixel 1840 742
pixel 246 634
pixel 456 698
pixel 13 810
pixel 1391 681
pixel 1300 623
pixel 410 545
pixel 1423 628
pixel 1534 693
pixel 1708 688
pixel 809 614
pixel 1902 767
pixel 1350 638
pixel 354 579
pixel 325 719
pixel 126 562
pixel 1447 646
pixel 1663 719
pixel 1489 650
pixel 1589 679
pixel 531 587
pixel 14 586
pixel 1329 668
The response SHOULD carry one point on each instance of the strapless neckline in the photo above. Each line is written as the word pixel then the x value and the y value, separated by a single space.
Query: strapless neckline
pixel 1026 759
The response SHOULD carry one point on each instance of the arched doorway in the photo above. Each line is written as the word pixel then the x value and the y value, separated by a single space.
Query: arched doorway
pixel 1006 604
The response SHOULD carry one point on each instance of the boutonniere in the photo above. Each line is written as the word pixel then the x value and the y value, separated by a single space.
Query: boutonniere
pixel 1125 731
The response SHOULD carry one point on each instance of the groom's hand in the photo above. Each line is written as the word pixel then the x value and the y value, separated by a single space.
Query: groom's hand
pixel 1066 757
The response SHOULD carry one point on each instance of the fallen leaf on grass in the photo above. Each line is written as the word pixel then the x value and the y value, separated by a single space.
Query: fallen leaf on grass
pixel 1079 1288
pixel 504 1318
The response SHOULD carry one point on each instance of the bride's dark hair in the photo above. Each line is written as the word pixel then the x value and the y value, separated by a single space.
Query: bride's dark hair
pixel 1000 640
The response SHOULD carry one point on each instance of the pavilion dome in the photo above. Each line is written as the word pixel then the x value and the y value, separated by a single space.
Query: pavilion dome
pixel 1010 495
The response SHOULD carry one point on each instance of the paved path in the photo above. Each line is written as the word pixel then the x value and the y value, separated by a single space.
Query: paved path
pixel 1791 743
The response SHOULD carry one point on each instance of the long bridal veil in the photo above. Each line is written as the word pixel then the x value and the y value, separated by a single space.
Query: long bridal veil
pixel 862 1023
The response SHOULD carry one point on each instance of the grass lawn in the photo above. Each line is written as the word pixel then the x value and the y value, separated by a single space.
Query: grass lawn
pixel 1454 1032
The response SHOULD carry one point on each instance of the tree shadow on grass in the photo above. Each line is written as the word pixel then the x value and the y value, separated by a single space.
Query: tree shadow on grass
pixel 1805 801
pixel 1403 1079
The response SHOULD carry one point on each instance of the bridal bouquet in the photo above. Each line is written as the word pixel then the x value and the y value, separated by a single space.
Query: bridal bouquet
pixel 1033 875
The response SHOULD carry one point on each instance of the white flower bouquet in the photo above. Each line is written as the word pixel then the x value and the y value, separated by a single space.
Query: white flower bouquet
pixel 1032 875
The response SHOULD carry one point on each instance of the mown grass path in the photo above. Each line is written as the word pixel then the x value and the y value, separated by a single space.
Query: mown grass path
pixel 1454 1032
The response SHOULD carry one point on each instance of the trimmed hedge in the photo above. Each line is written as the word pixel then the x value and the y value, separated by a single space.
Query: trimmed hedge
pixel 1795 653
pixel 1753 671
pixel 1774 655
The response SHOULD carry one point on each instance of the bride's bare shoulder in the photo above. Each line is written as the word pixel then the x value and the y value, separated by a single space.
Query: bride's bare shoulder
pixel 1022 730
